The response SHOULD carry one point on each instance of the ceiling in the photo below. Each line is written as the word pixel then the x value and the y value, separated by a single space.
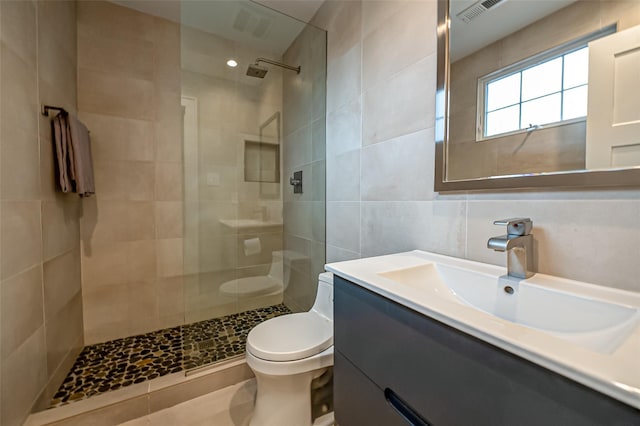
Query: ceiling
pixel 496 23
pixel 267 26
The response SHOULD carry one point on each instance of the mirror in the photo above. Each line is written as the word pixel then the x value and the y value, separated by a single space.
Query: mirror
pixel 537 94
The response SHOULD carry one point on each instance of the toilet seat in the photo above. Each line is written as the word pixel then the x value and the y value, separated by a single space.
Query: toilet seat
pixel 290 337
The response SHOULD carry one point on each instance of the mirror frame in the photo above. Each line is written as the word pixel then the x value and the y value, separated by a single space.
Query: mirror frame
pixel 628 177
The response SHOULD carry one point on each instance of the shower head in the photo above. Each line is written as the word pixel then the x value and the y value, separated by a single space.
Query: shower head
pixel 257 71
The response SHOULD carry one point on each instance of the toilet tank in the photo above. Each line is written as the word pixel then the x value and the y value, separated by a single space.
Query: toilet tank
pixel 323 304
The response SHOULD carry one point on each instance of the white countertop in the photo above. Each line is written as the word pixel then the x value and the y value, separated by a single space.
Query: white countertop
pixel 616 374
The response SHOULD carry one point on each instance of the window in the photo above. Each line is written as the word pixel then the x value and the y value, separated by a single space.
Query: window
pixel 548 89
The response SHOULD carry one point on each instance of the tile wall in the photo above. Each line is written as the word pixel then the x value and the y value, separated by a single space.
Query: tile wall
pixel 40 288
pixel 380 161
pixel 132 233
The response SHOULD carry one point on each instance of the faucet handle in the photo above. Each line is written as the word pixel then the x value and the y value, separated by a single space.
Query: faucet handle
pixel 516 225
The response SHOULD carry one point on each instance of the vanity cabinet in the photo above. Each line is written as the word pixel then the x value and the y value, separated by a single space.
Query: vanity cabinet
pixel 394 366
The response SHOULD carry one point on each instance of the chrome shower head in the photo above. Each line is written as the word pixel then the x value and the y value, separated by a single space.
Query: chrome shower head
pixel 257 71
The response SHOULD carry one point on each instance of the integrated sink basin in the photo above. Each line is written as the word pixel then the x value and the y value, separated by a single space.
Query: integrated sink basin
pixel 593 324
pixel 586 332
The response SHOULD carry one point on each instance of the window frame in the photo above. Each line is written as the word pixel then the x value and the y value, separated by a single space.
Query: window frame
pixel 519 67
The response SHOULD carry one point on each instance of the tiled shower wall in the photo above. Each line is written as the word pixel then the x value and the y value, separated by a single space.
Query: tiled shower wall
pixel 304 149
pixel 380 161
pixel 41 298
pixel 129 97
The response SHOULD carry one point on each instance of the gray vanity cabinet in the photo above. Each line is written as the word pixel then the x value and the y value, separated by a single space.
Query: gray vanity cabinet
pixel 394 366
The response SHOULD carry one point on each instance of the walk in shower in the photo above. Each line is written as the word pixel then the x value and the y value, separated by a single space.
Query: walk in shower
pixel 225 112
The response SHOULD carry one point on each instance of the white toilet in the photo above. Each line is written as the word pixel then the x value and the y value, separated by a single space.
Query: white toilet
pixel 286 353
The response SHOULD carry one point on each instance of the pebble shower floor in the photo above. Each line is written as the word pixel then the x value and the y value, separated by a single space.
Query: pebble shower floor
pixel 118 363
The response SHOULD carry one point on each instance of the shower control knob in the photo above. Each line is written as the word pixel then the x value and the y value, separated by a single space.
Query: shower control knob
pixel 296 182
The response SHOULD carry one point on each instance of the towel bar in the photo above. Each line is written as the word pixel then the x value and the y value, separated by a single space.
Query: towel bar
pixel 46 108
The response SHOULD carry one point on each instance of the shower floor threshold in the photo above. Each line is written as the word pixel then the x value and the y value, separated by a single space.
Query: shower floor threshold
pixel 138 400
pixel 107 367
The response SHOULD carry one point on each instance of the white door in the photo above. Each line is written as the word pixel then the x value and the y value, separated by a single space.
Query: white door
pixel 613 120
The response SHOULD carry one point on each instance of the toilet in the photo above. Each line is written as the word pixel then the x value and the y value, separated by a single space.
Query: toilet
pixel 286 354
pixel 274 283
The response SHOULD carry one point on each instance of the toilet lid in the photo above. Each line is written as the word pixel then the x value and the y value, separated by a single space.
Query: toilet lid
pixel 250 286
pixel 290 337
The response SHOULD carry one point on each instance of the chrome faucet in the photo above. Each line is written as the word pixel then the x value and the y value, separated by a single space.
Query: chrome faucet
pixel 518 243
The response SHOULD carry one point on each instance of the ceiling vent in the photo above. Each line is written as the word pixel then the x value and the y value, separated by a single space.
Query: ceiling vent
pixel 251 23
pixel 477 9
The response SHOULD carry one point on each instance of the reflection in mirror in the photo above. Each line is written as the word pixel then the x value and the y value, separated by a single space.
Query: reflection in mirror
pixel 542 87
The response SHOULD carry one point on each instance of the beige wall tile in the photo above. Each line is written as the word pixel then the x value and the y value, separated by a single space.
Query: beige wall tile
pixel 168 181
pixel 60 225
pixel 170 296
pixel 105 311
pixel 102 17
pixel 63 330
pixel 113 220
pixel 104 93
pixel 169 141
pixel 103 263
pixel 24 375
pixel 169 221
pixel 62 281
pixel 20 235
pixel 120 139
pixel 125 180
pixel 19 91
pixel 143 308
pixel 57 66
pixel 135 58
pixel 19 29
pixel 21 311
pixel 168 48
pixel 38 61
pixel 142 260
pixel 170 257
pixel 57 21
pixel 20 166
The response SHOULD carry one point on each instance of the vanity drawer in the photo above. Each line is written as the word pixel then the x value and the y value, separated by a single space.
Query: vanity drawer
pixel 451 378
pixel 357 400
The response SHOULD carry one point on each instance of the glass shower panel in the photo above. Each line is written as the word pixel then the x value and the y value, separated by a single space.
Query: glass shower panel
pixel 243 136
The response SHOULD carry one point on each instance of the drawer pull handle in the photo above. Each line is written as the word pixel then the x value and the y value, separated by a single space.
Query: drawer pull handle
pixel 404 409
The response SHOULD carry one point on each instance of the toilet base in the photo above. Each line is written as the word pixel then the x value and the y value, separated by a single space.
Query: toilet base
pixel 284 400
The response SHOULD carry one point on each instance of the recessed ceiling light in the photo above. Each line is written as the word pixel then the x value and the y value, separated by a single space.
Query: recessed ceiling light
pixel 232 63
